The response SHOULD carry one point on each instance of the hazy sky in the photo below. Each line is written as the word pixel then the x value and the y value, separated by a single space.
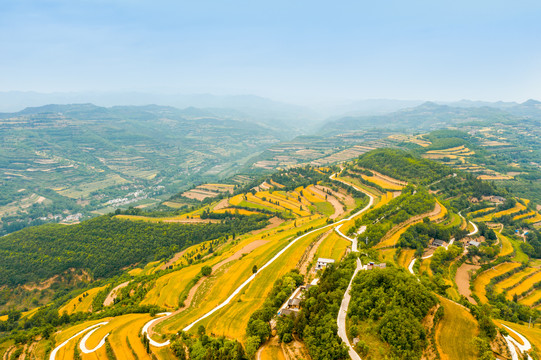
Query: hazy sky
pixel 287 50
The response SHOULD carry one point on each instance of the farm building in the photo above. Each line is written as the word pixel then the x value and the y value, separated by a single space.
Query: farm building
pixel 474 243
pixel 437 243
pixel 322 263
pixel 372 266
pixel 294 303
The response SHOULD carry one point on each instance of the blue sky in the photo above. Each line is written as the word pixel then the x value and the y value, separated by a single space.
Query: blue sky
pixel 296 51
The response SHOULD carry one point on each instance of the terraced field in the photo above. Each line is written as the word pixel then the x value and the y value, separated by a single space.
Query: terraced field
pixel 525 285
pixel 231 321
pixel 513 280
pixel 507 247
pixel 333 247
pixel 484 278
pixel 405 258
pixel 81 303
pixel 218 290
pixel 455 331
pixel 488 217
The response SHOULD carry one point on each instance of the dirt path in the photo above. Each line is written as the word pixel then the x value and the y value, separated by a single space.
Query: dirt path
pixel 338 207
pixel 462 279
pixel 274 222
pixel 278 352
pixel 295 350
pixel 174 259
pixel 113 294
pixel 312 253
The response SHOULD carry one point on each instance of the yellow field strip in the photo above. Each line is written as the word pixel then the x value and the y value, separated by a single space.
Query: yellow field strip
pixel 455 332
pixel 484 278
pixel 81 303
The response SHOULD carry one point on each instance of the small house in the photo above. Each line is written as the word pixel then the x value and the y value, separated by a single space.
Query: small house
pixel 294 303
pixel 474 243
pixel 322 263
pixel 437 243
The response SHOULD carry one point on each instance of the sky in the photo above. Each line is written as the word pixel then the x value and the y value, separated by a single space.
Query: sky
pixel 293 51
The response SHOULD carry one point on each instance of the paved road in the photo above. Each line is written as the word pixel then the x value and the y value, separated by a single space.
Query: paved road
pixel 342 314
pixel 52 356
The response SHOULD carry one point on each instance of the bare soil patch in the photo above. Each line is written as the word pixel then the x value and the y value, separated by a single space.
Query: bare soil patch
pixel 312 252
pixel 338 207
pixel 174 259
pixel 274 222
pixel 222 204
pixel 113 294
pixel 462 280
pixel 245 250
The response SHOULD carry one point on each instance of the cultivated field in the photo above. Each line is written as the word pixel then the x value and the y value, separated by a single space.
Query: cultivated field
pixel 82 303
pixel 455 332
pixel 484 278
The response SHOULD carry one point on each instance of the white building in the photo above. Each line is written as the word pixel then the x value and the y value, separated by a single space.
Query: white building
pixel 322 263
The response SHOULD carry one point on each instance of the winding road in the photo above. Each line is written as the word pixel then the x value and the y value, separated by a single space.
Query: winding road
pixel 52 356
pixel 343 312
pixel 281 252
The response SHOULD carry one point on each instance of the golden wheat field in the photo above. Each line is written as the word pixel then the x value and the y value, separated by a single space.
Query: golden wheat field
pixel 483 279
pixel 81 303
pixel 455 331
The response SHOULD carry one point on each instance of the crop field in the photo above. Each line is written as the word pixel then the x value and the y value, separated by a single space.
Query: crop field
pixel 333 247
pixel 382 182
pixel 525 285
pixel 271 351
pixel 127 330
pixel 455 332
pixel 168 288
pixel 481 211
pixel 484 278
pixel 533 334
pixel 519 254
pixel 82 303
pixel 387 255
pixel 231 321
pixel 357 183
pixel 518 207
pixel 535 219
pixel 393 239
pixel 513 280
pixel 236 211
pixel 523 216
pixel 531 299
pixel 84 190
pixel 507 247
pixel 67 351
pixel 425 267
pixel 239 271
pixel 405 258
pixel 311 195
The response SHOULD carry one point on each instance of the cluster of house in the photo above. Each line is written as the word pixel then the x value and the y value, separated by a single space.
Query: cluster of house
pixel 492 199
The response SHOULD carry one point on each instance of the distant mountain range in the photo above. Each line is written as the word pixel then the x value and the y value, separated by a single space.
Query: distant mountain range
pixel 430 115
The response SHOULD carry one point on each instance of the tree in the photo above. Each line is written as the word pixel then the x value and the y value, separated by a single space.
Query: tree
pixel 252 344
pixel 206 270
pixel 254 269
